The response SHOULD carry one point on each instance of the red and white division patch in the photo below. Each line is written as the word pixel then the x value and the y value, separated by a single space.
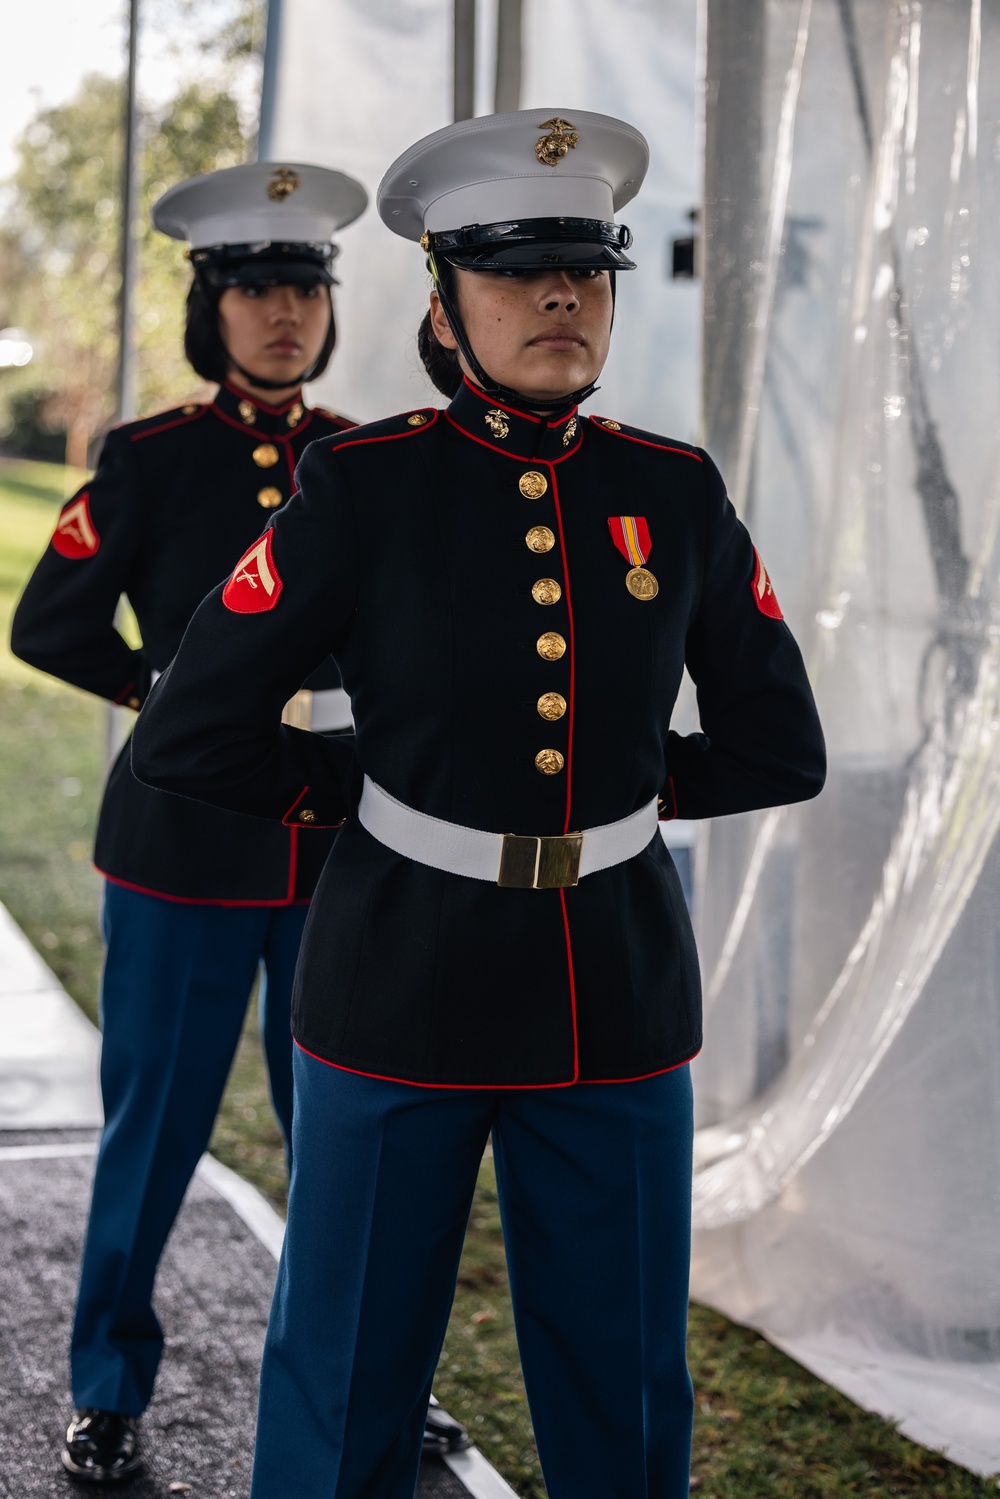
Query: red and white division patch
pixel 763 594
pixel 255 585
pixel 75 535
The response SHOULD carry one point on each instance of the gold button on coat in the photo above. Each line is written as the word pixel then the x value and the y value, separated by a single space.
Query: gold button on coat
pixel 533 485
pixel 546 591
pixel 307 815
pixel 266 456
pixel 540 539
pixel 550 646
pixel 552 705
pixel 189 410
pixel 416 420
pixel 549 761
pixel 269 497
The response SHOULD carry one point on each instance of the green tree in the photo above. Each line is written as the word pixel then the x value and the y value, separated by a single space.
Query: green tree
pixel 59 250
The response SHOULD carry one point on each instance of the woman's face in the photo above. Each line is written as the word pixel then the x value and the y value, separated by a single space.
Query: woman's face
pixel 542 333
pixel 275 332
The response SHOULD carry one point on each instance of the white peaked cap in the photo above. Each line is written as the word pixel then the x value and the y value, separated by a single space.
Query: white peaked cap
pixel 264 200
pixel 488 170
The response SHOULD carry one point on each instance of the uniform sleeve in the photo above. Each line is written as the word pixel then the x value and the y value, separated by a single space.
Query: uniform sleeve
pixel 65 621
pixel 212 727
pixel 761 743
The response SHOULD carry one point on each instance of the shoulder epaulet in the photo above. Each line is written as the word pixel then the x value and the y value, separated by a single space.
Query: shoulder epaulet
pixel 647 439
pixel 406 424
pixel 162 421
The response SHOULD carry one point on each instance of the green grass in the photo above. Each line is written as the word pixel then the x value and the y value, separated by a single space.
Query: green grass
pixel 765 1428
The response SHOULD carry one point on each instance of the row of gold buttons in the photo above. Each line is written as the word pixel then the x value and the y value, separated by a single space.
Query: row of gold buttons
pixel 266 455
pixel 550 646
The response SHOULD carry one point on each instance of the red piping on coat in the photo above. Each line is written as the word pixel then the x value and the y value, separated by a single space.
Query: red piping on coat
pixel 510 410
pixel 256 433
pixel 644 442
pixel 196 900
pixel 120 699
pixel 357 442
pixel 244 395
pixel 572 987
pixel 491 447
pixel 293 858
pixel 572 650
pixel 179 421
pixel 572 1082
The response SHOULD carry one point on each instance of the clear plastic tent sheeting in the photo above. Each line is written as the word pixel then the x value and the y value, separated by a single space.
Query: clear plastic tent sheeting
pixel 847 1196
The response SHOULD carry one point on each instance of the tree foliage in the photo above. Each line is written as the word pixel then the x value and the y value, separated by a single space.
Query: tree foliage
pixel 59 249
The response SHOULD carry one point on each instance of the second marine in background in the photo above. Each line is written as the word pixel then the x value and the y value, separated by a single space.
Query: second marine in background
pixel 196 899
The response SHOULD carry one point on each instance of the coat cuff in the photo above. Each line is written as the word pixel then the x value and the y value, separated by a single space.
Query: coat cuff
pixel 666 805
pixel 307 811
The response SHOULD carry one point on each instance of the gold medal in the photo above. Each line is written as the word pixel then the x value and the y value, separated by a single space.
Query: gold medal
pixel 641 583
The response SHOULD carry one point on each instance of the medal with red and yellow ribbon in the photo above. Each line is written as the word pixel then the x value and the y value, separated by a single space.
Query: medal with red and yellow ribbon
pixel 630 535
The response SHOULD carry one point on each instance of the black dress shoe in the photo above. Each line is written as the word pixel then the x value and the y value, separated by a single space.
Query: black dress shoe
pixel 440 1428
pixel 101 1447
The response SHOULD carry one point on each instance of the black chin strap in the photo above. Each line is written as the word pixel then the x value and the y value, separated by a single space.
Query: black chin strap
pixel 491 387
pixel 261 383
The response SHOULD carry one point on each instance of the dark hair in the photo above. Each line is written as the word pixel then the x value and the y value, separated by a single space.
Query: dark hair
pixel 203 346
pixel 441 364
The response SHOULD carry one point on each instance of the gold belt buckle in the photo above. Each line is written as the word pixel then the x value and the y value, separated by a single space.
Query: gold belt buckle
pixel 548 863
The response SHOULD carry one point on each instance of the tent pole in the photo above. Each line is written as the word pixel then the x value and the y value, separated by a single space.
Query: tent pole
pixel 268 86
pixel 464 74
pixel 507 93
pixel 125 379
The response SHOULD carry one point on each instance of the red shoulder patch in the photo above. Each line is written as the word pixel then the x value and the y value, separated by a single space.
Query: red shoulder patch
pixel 255 585
pixel 763 594
pixel 75 535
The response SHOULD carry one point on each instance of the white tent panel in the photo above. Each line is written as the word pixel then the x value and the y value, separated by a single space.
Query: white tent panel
pixel 358 80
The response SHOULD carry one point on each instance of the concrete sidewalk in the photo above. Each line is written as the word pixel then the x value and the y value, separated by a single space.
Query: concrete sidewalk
pixel 213 1290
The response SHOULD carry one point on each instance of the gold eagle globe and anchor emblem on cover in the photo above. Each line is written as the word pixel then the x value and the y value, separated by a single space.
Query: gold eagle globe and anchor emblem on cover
pixel 284 181
pixel 560 140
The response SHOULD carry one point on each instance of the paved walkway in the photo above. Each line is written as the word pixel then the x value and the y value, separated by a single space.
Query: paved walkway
pixel 213 1290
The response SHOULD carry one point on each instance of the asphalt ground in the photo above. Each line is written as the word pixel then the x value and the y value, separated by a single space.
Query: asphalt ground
pixel 213 1293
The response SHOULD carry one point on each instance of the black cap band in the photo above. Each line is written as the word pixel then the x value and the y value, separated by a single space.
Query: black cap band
pixel 578 244
pixel 266 263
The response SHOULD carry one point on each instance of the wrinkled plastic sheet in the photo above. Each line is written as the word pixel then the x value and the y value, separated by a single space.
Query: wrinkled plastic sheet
pixel 847 1190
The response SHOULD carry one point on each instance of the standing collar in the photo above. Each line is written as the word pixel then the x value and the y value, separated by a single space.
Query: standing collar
pixel 256 417
pixel 514 432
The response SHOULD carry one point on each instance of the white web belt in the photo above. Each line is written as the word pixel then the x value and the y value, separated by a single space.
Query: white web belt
pixel 508 859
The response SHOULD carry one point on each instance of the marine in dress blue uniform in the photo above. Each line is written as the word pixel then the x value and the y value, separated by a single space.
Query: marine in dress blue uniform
pixel 511 952
pixel 196 899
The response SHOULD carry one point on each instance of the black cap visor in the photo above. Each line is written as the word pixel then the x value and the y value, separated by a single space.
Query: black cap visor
pixel 265 264
pixel 535 245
